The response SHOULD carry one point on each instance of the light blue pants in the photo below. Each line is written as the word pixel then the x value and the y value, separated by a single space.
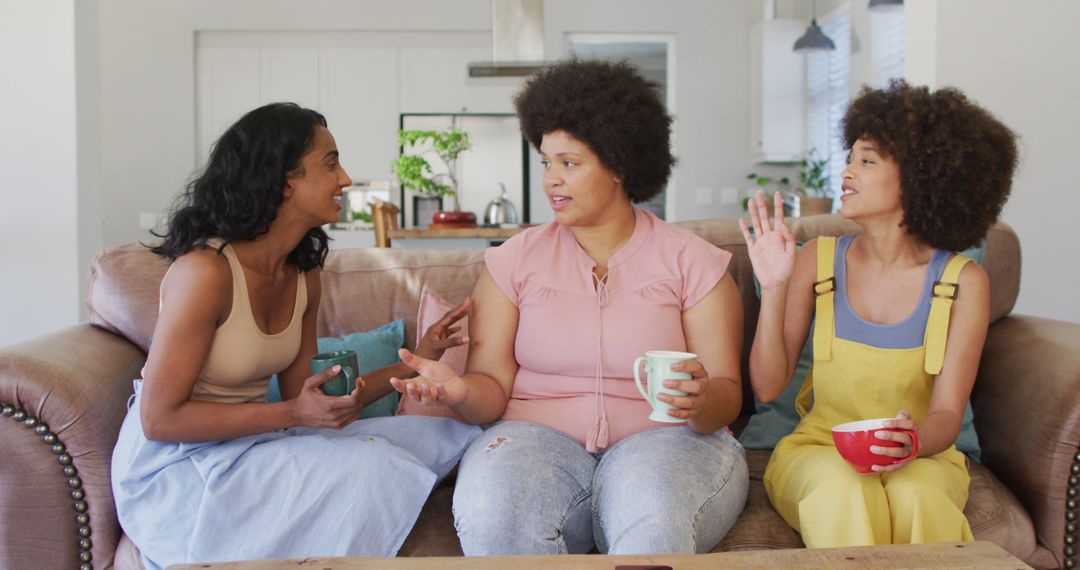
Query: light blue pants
pixel 527 489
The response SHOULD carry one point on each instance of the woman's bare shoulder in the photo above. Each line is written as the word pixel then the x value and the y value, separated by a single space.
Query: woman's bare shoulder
pixel 202 271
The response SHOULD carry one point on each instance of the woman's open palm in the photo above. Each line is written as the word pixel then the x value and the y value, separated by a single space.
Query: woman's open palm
pixel 436 383
pixel 771 249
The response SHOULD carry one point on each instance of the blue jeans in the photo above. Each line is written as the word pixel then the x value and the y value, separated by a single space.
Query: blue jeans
pixel 526 489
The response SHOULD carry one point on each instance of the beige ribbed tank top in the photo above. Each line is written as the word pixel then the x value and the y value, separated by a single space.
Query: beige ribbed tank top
pixel 242 357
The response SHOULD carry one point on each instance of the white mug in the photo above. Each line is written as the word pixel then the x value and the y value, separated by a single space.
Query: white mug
pixel 657 369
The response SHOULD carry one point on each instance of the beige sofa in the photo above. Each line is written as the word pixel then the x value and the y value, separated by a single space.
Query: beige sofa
pixel 63 396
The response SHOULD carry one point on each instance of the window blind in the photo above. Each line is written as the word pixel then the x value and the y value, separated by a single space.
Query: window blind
pixel 828 88
pixel 888 45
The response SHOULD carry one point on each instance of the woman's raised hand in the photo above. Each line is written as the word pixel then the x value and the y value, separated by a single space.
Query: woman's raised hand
pixel 437 383
pixel 771 249
pixel 313 408
pixel 440 336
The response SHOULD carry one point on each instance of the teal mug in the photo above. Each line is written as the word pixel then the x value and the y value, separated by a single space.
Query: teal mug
pixel 658 369
pixel 345 381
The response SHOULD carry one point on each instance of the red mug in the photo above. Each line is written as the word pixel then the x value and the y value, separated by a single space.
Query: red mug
pixel 853 441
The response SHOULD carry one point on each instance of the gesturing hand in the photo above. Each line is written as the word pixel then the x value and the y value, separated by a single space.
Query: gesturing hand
pixel 439 336
pixel 313 408
pixel 772 250
pixel 436 384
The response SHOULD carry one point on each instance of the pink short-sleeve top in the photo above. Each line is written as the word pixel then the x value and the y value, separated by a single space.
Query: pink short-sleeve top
pixel 577 340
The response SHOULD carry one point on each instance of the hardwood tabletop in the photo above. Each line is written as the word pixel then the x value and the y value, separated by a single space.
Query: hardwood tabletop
pixel 943 555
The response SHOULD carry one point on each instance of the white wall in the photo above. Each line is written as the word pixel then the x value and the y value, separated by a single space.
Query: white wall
pixel 91 235
pixel 1021 63
pixel 148 75
pixel 148 69
pixel 712 91
pixel 86 152
pixel 39 218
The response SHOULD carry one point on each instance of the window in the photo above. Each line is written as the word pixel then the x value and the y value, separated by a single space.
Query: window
pixel 828 88
pixel 888 44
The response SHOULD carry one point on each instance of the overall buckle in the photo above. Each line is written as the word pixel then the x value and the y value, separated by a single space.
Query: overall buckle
pixel 950 295
pixel 818 291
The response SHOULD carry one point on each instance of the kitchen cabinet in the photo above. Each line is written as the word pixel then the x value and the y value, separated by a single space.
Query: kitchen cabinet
pixel 777 92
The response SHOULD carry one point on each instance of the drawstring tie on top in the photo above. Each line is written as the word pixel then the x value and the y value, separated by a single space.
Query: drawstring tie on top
pixel 598 436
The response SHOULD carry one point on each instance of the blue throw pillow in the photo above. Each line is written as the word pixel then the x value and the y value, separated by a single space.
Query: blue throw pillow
pixel 375 349
pixel 774 420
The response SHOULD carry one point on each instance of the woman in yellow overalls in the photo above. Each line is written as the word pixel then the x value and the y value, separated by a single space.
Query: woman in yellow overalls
pixel 898 322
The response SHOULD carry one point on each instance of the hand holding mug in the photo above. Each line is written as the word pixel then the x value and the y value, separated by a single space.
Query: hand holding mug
pixel 437 383
pixel 313 408
pixel 692 404
pixel 673 386
pixel 878 445
pixel 901 430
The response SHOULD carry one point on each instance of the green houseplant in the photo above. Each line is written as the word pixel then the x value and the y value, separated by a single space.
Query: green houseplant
pixel 768 185
pixel 414 172
pixel 814 195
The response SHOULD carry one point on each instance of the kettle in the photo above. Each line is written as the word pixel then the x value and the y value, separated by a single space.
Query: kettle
pixel 500 210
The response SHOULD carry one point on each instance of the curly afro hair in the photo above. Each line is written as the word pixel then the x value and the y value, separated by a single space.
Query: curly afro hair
pixel 609 107
pixel 956 160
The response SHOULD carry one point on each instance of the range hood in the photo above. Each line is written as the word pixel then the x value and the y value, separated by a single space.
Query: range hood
pixel 517 40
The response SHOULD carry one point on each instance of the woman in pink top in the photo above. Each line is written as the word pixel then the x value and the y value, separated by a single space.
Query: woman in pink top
pixel 560 314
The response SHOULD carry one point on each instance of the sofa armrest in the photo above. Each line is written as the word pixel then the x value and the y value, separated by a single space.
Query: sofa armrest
pixel 62 399
pixel 1027 414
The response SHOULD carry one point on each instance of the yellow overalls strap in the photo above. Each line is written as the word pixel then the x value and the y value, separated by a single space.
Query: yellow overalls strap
pixel 824 287
pixel 944 293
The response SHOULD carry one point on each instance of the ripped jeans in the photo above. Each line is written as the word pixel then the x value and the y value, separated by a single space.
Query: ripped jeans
pixel 527 489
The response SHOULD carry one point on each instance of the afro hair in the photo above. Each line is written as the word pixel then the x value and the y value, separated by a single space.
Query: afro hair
pixel 609 107
pixel 956 160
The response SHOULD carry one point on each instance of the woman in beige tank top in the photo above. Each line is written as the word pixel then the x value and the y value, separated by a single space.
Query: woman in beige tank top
pixel 238 304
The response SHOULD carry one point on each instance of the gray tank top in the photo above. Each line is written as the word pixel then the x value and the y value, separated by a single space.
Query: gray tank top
pixel 907 333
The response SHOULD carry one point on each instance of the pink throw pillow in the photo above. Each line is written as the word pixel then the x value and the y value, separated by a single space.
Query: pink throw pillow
pixel 432 308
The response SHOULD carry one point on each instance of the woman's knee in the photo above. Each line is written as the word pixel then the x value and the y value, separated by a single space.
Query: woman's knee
pixel 691 488
pixel 523 490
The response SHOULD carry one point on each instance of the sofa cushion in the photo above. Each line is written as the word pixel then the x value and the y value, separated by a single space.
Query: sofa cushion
pixel 375 349
pixel 361 288
pixel 759 526
pixel 122 291
pixel 365 288
pixel 434 533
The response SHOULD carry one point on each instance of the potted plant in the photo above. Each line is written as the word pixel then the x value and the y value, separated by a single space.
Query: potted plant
pixel 769 185
pixel 814 196
pixel 415 173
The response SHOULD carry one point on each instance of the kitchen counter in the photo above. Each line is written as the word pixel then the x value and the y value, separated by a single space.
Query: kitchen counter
pixel 458 238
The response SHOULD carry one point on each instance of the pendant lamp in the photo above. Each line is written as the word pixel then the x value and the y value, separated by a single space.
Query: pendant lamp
pixel 814 40
pixel 885 5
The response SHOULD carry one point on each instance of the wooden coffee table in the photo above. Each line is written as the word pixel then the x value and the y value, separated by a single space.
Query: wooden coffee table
pixel 943 555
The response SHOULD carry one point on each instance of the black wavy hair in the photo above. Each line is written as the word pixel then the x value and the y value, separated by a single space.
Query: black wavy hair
pixel 239 192
pixel 609 107
pixel 956 159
